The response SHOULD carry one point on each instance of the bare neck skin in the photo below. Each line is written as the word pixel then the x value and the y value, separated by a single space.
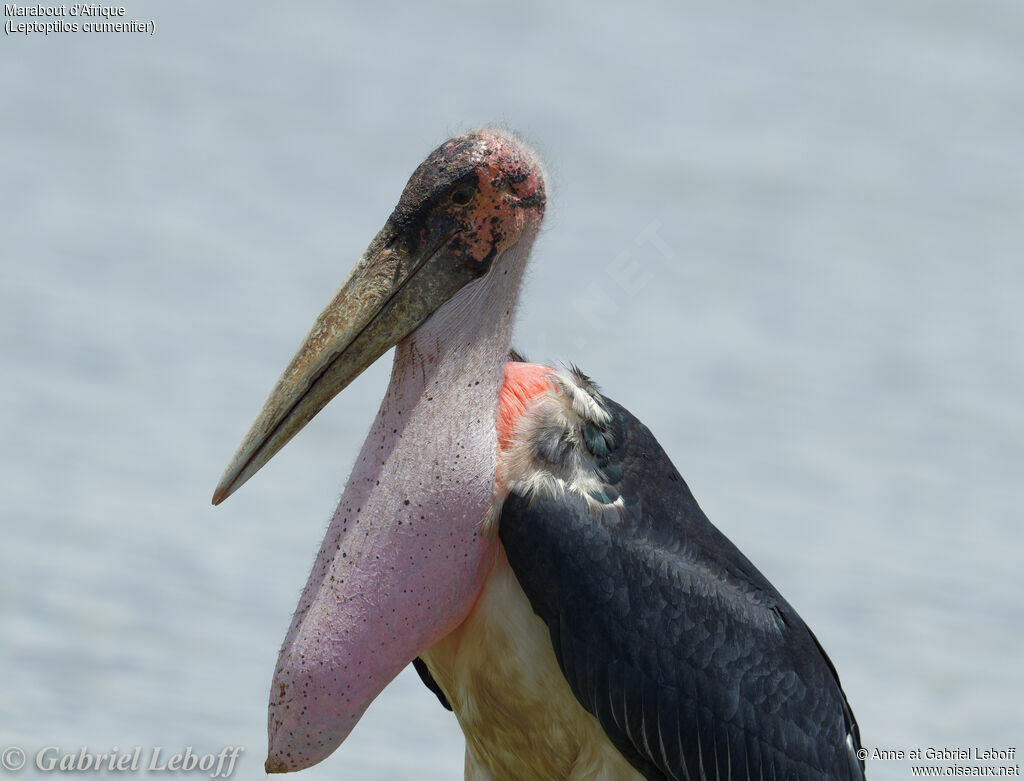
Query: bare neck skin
pixel 409 522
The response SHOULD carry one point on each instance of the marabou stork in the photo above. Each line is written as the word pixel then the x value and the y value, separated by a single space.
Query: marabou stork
pixel 522 539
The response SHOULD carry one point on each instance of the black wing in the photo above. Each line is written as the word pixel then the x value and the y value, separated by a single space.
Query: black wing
pixel 693 663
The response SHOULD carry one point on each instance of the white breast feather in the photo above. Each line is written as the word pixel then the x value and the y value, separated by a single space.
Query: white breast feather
pixel 549 456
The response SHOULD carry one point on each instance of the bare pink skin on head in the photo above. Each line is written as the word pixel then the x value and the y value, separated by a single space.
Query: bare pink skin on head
pixel 407 552
pixel 500 169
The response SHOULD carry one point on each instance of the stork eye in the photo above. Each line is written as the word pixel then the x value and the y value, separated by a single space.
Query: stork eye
pixel 463 195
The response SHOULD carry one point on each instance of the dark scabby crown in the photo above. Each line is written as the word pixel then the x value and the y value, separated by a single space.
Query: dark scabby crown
pixel 458 158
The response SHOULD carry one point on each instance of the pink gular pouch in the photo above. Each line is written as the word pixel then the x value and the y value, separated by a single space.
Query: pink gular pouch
pixel 401 566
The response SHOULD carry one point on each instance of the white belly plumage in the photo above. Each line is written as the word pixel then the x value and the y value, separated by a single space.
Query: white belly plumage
pixel 520 719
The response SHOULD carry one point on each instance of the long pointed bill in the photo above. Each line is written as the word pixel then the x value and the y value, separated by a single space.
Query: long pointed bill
pixel 388 294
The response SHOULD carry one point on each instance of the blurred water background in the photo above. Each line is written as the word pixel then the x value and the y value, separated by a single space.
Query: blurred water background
pixel 788 236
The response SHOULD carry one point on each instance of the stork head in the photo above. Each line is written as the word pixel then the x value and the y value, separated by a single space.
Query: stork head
pixel 472 200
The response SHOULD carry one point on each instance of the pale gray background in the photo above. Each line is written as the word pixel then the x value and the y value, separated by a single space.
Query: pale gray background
pixel 788 236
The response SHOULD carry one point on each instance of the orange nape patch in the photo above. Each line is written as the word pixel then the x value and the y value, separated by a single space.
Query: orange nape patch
pixel 523 382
